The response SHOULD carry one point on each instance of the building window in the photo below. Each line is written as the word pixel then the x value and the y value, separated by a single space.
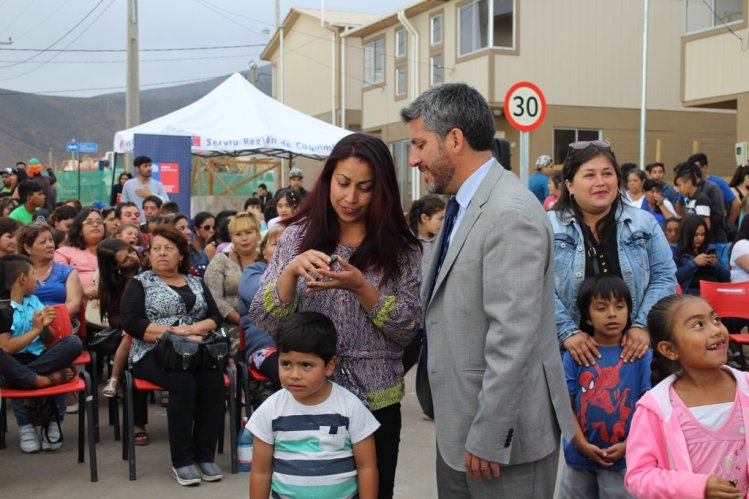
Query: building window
pixel 436 30
pixel 563 137
pixel 374 62
pixel 435 62
pixel 400 81
pixel 400 151
pixel 400 43
pixel 701 15
pixel 486 23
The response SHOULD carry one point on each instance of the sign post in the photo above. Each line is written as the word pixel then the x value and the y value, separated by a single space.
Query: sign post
pixel 77 148
pixel 525 110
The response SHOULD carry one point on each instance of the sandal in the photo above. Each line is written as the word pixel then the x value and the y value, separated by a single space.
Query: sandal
pixel 141 438
pixel 110 389
pixel 60 377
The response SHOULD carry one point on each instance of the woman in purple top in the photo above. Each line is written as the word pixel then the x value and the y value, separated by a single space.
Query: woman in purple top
pixel 349 254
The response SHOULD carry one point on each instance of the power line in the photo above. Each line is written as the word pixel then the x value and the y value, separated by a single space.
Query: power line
pixel 173 49
pixel 121 61
pixel 59 39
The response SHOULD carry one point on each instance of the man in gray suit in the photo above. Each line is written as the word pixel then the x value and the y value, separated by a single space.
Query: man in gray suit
pixel 493 360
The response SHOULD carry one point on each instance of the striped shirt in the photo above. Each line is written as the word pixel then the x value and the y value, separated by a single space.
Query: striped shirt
pixel 313 453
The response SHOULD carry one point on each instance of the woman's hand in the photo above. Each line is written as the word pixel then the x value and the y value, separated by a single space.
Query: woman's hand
pixel 91 292
pixel 583 348
pixel 702 259
pixel 308 264
pixel 187 330
pixel 350 278
pixel 635 343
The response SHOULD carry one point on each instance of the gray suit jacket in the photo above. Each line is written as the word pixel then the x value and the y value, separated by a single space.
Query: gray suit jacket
pixel 494 365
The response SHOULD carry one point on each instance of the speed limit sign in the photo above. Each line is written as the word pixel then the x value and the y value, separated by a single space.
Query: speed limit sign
pixel 525 106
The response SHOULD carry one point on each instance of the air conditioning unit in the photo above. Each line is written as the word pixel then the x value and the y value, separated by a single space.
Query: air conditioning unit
pixel 742 153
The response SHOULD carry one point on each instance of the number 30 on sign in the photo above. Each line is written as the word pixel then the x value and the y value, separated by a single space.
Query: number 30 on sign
pixel 525 106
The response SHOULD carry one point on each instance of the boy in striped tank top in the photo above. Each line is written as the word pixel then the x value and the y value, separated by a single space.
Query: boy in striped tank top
pixel 313 438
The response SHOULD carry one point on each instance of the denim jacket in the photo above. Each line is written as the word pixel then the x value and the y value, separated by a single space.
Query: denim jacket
pixel 644 257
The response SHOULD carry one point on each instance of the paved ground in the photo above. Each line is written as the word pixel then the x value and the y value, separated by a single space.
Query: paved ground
pixel 58 475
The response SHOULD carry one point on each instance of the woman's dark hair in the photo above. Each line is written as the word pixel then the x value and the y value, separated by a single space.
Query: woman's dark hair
pixel 76 204
pixel 292 197
pixel 64 212
pixel 106 211
pixel 111 278
pixel 606 287
pixel 566 203
pixel 175 237
pixel 427 205
pixel 8 201
pixel 738 176
pixel 201 217
pixel 75 234
pixel 9 226
pixel 222 225
pixel 557 179
pixel 387 234
pixel 687 231
pixel 660 327
pixel 743 232
pixel 307 332
pixel 640 174
pixel 124 174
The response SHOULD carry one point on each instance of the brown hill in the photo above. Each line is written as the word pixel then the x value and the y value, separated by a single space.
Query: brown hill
pixel 33 125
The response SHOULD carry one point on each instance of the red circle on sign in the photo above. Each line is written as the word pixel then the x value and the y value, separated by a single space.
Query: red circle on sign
pixel 525 122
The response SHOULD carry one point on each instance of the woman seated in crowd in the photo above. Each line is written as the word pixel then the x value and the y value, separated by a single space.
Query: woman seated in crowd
pixel 220 238
pixel 634 193
pixel 8 228
pixel 655 204
pixel 740 187
pixel 61 220
pixel 86 232
pixel 110 220
pixel 260 348
pixel 56 283
pixel 225 270
pixel 287 204
pixel 165 298
pixel 695 257
pixel 8 204
pixel 203 228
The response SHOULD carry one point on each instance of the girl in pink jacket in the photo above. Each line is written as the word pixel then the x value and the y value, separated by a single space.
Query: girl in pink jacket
pixel 688 436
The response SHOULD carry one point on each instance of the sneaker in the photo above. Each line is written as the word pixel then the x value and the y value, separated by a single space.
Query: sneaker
pixel 52 438
pixel 186 475
pixel 29 439
pixel 210 472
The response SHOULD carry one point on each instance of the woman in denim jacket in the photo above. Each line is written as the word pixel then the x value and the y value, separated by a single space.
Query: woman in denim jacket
pixel 595 231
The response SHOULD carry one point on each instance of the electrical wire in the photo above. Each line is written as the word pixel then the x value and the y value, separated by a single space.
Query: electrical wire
pixel 743 46
pixel 141 61
pixel 173 49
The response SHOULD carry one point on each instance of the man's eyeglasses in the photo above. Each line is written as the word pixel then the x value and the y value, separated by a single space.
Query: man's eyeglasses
pixel 206 227
pixel 95 223
pixel 584 144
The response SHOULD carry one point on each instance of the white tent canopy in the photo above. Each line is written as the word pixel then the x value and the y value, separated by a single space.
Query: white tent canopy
pixel 237 118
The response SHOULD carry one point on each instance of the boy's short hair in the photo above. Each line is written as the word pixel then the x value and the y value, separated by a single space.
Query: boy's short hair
pixel 307 332
pixel 152 199
pixel 27 188
pixel 170 207
pixel 252 202
pixel 605 286
pixel 14 266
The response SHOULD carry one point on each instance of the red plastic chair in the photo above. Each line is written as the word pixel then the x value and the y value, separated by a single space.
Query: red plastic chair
pixel 729 299
pixel 244 373
pixel 128 421
pixel 81 385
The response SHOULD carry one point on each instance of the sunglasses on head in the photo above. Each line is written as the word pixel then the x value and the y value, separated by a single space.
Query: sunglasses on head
pixel 584 144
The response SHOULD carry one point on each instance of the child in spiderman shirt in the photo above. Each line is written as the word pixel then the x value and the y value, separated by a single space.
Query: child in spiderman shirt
pixel 603 395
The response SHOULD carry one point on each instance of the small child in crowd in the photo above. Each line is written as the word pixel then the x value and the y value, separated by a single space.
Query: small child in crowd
pixel 689 437
pixel 603 395
pixel 26 360
pixel 313 439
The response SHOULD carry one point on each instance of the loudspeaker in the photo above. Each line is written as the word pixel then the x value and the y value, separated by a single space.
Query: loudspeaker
pixel 501 152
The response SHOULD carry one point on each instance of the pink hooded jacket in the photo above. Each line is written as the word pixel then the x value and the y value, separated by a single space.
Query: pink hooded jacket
pixel 658 464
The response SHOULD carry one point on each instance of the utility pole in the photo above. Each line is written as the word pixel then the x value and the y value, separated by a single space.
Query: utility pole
pixel 253 73
pixel 132 95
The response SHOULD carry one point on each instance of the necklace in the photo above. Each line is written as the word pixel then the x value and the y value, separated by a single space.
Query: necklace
pixel 43 280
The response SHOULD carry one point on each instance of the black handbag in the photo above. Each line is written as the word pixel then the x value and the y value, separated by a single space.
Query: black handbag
pixel 106 341
pixel 179 353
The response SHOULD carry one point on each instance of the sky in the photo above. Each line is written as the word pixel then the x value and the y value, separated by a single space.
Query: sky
pixel 77 48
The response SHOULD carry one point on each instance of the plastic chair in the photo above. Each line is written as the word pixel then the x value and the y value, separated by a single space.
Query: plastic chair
pixel 63 326
pixel 81 385
pixel 128 421
pixel 729 299
pixel 244 373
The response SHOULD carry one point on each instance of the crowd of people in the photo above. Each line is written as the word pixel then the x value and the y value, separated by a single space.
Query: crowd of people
pixel 562 316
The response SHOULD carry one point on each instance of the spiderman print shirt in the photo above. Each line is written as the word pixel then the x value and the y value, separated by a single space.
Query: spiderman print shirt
pixel 604 397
